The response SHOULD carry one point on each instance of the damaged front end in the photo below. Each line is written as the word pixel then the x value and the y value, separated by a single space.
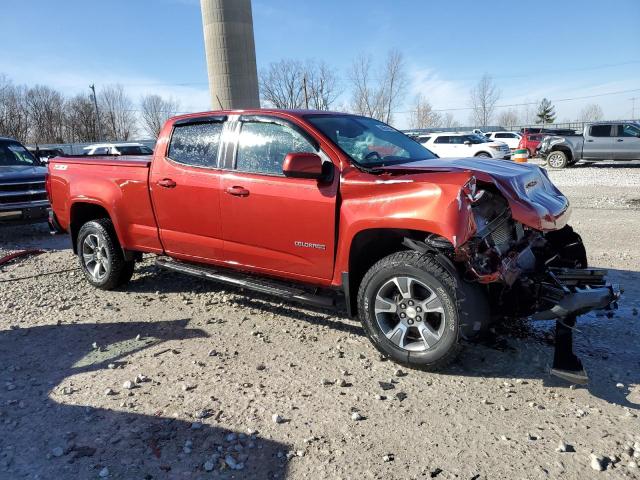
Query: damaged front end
pixel 529 272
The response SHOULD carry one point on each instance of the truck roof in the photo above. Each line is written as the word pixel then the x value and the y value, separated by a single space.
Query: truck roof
pixel 261 111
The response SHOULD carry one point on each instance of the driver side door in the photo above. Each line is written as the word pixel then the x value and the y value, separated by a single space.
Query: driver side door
pixel 271 223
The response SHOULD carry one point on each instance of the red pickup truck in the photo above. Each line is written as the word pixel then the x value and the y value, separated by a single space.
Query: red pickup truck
pixel 334 210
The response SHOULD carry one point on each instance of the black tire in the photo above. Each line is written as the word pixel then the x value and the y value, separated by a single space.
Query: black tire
pixel 101 258
pixel 483 155
pixel 380 280
pixel 557 159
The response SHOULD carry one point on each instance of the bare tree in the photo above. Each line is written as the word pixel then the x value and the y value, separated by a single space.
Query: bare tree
pixel 377 99
pixel 591 113
pixel 508 118
pixel 423 115
pixel 484 97
pixel 394 82
pixel 281 84
pixel 80 119
pixel 293 84
pixel 45 108
pixel 116 108
pixel 367 99
pixel 155 110
pixel 448 121
pixel 14 119
pixel 322 85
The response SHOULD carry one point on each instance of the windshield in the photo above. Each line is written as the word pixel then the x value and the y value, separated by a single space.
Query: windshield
pixel 14 154
pixel 368 142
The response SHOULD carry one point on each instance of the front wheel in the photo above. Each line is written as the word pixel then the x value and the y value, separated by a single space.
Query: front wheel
pixel 483 155
pixel 557 159
pixel 100 255
pixel 407 305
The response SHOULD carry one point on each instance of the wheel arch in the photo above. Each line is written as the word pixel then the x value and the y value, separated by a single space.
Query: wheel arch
pixel 81 213
pixel 367 247
pixel 564 149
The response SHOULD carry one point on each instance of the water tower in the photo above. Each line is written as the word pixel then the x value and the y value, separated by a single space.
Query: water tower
pixel 231 53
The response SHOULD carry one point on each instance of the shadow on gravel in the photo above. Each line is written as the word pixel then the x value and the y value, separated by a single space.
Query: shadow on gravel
pixel 42 438
pixel 35 235
pixel 607 164
pixel 608 346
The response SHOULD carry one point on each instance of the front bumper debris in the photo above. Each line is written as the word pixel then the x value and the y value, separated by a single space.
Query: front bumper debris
pixel 575 291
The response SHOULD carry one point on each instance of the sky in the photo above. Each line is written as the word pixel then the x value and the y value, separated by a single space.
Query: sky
pixel 554 49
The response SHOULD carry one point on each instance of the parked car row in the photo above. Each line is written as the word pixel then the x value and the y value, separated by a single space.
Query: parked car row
pixel 117 149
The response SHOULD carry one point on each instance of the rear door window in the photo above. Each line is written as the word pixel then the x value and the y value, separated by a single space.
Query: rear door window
pixel 600 131
pixel 196 144
pixel 442 139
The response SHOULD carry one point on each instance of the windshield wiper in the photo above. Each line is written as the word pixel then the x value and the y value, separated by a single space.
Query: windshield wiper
pixel 367 169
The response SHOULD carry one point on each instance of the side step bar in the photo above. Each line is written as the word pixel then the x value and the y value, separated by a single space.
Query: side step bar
pixel 237 279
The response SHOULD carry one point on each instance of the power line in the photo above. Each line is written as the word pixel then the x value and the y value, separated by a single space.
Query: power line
pixel 558 100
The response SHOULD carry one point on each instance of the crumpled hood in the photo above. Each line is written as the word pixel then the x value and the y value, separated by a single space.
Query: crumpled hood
pixel 533 199
pixel 20 173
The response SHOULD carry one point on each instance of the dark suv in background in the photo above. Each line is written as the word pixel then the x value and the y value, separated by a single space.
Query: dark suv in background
pixel 23 197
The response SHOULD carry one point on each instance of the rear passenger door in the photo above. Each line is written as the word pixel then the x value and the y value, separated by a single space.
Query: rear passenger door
pixel 598 143
pixel 272 223
pixel 626 142
pixel 185 189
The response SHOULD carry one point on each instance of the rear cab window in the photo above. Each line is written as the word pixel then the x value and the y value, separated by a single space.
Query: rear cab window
pixel 196 144
pixel 600 131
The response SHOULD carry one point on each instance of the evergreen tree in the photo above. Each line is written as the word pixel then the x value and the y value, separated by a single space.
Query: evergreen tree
pixel 546 112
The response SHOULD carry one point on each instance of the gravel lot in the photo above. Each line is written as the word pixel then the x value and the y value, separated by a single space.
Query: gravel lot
pixel 174 378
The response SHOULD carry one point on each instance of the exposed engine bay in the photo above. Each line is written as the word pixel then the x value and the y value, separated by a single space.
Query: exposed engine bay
pixel 528 272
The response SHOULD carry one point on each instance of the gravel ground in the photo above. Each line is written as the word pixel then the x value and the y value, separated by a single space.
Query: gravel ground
pixel 173 378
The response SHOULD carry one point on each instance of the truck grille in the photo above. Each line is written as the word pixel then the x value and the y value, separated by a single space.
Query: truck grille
pixel 22 192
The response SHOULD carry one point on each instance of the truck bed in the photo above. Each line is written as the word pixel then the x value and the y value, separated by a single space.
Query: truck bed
pixel 115 160
pixel 117 184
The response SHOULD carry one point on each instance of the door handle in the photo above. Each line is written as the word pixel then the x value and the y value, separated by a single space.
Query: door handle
pixel 238 191
pixel 589 140
pixel 167 183
pixel 620 140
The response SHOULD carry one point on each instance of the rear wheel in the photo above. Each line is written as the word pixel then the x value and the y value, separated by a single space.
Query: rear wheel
pixel 557 159
pixel 407 305
pixel 100 255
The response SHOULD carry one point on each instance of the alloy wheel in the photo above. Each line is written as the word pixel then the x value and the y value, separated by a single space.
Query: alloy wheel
pixel 410 313
pixel 95 256
pixel 555 160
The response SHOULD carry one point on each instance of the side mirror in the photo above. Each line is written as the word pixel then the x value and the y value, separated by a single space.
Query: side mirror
pixel 467 143
pixel 302 165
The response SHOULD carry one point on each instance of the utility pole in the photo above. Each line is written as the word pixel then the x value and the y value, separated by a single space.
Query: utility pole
pixel 633 107
pixel 92 87
pixel 306 96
